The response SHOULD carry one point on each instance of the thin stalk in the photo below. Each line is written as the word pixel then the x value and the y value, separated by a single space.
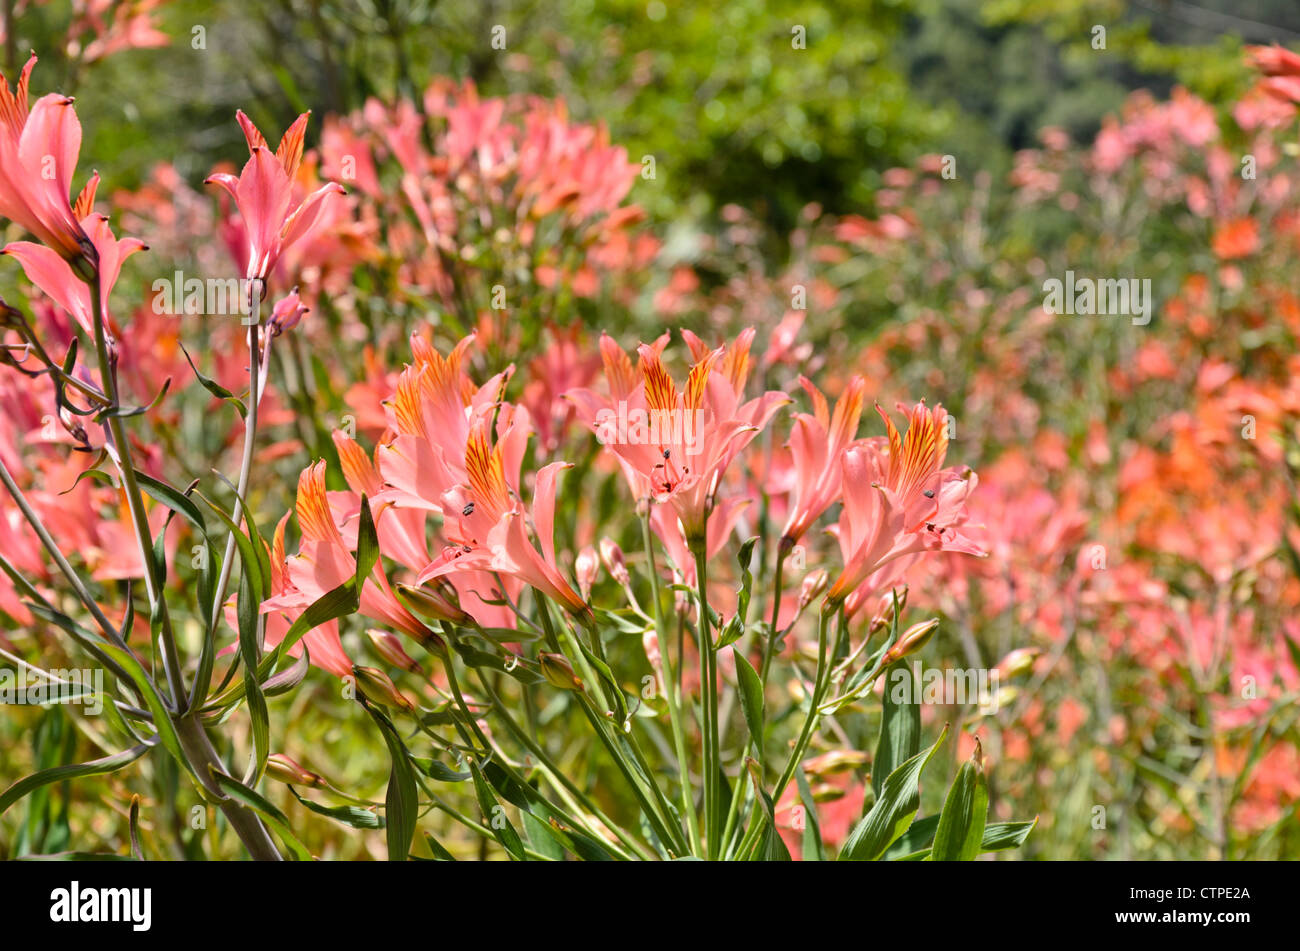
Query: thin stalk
pixel 821 682
pixel 672 696
pixel 773 634
pixel 709 689
pixel 245 468
pixel 135 502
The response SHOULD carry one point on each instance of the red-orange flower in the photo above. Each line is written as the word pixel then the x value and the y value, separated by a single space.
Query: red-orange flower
pixel 263 193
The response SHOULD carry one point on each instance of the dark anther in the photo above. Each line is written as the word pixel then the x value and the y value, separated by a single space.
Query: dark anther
pixel 468 509
pixel 928 493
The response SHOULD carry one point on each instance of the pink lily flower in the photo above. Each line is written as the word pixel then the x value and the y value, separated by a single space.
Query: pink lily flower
pixel 38 154
pixel 899 501
pixel 325 561
pixel 324 648
pixel 51 272
pixel 690 438
pixel 817 445
pixel 263 193
pixel 487 524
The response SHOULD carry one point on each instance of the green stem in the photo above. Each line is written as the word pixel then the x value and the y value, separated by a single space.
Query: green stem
pixel 709 697
pixel 671 694
pixel 245 472
pixel 821 682
pixel 135 502
pixel 769 645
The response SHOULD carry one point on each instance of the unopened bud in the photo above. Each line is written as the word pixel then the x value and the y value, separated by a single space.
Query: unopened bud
pixel 813 585
pixel 585 567
pixel 377 687
pixel 827 792
pixel 650 643
pixel 280 767
pixel 612 557
pixel 1003 697
pixel 286 314
pixel 1019 661
pixel 430 602
pixel 884 615
pixel 558 671
pixel 835 762
pixel 913 639
pixel 389 648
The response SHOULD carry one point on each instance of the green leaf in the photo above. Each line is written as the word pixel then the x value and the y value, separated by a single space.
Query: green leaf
pixel 215 388
pixel 353 816
pixel 965 811
pixel 174 499
pixel 250 630
pixel 1003 836
pixel 436 769
pixel 998 837
pixel 401 802
pixel 893 811
pixel 248 551
pixel 133 822
pixel 541 837
pixel 812 833
pixel 531 803
pixel 494 817
pixel 772 847
pixel 900 726
pixel 439 853
pixel 57 774
pixel 153 700
pixel 752 701
pixel 367 544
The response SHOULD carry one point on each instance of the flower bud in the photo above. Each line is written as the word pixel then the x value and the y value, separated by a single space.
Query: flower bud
pixel 389 648
pixel 835 762
pixel 650 644
pixel 827 792
pixel 286 313
pixel 558 671
pixel 1004 697
pixel 813 585
pixel 280 767
pixel 912 640
pixel 612 557
pixel 585 567
pixel 884 615
pixel 430 602
pixel 377 687
pixel 1019 661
